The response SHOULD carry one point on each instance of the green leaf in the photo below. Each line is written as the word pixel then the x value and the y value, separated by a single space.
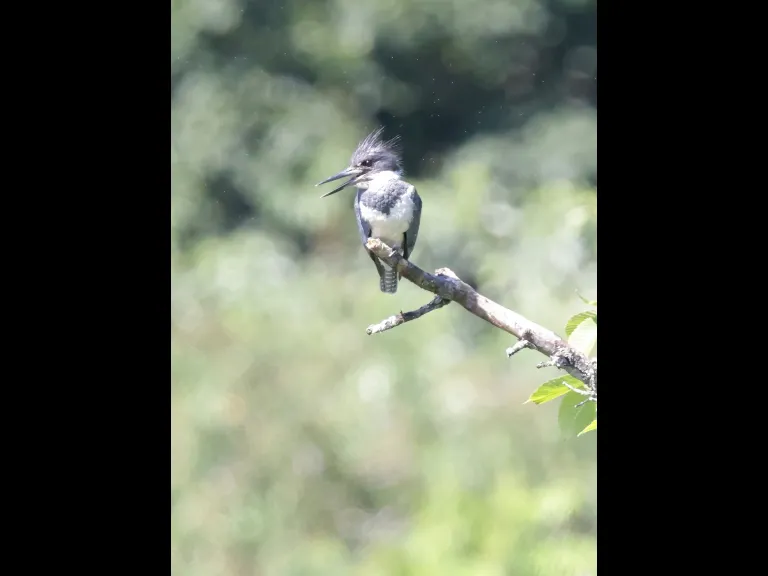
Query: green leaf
pixel 577 319
pixel 553 389
pixel 574 420
pixel 592 303
pixel 584 336
pixel 592 426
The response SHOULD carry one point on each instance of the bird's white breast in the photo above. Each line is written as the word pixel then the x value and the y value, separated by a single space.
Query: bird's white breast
pixel 389 227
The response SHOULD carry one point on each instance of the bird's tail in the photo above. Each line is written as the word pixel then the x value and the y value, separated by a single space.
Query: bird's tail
pixel 388 280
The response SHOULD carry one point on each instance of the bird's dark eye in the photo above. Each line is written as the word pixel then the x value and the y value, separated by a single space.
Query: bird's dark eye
pixel 366 162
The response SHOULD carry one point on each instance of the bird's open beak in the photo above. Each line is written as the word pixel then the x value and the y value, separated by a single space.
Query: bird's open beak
pixel 352 172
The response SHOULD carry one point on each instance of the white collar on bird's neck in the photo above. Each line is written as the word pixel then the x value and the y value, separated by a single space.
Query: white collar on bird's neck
pixel 379 179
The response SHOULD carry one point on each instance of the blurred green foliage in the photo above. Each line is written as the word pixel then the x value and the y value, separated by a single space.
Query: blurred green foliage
pixel 299 445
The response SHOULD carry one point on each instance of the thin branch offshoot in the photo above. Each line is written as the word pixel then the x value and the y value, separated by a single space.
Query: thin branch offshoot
pixel 450 288
pixel 389 323
pixel 521 344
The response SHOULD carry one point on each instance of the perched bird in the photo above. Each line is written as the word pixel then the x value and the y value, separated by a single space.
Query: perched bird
pixel 386 206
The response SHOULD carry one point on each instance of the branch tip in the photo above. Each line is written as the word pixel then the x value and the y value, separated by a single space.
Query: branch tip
pixel 403 317
pixel 521 344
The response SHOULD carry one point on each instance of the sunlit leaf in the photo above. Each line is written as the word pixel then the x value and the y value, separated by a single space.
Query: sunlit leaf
pixel 573 420
pixel 577 319
pixel 592 426
pixel 584 336
pixel 592 303
pixel 553 389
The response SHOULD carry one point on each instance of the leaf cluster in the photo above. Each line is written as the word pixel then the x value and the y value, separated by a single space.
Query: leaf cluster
pixel 577 414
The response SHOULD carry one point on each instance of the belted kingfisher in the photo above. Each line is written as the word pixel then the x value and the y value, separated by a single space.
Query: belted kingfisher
pixel 386 206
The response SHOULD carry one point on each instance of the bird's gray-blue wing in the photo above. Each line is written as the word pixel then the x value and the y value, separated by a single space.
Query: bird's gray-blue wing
pixel 413 229
pixel 362 225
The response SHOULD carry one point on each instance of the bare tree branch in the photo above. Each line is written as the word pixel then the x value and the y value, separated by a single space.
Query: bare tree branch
pixel 388 323
pixel 445 284
pixel 521 344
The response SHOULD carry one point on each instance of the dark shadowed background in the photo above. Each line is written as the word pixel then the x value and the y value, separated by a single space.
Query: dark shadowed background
pixel 300 445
